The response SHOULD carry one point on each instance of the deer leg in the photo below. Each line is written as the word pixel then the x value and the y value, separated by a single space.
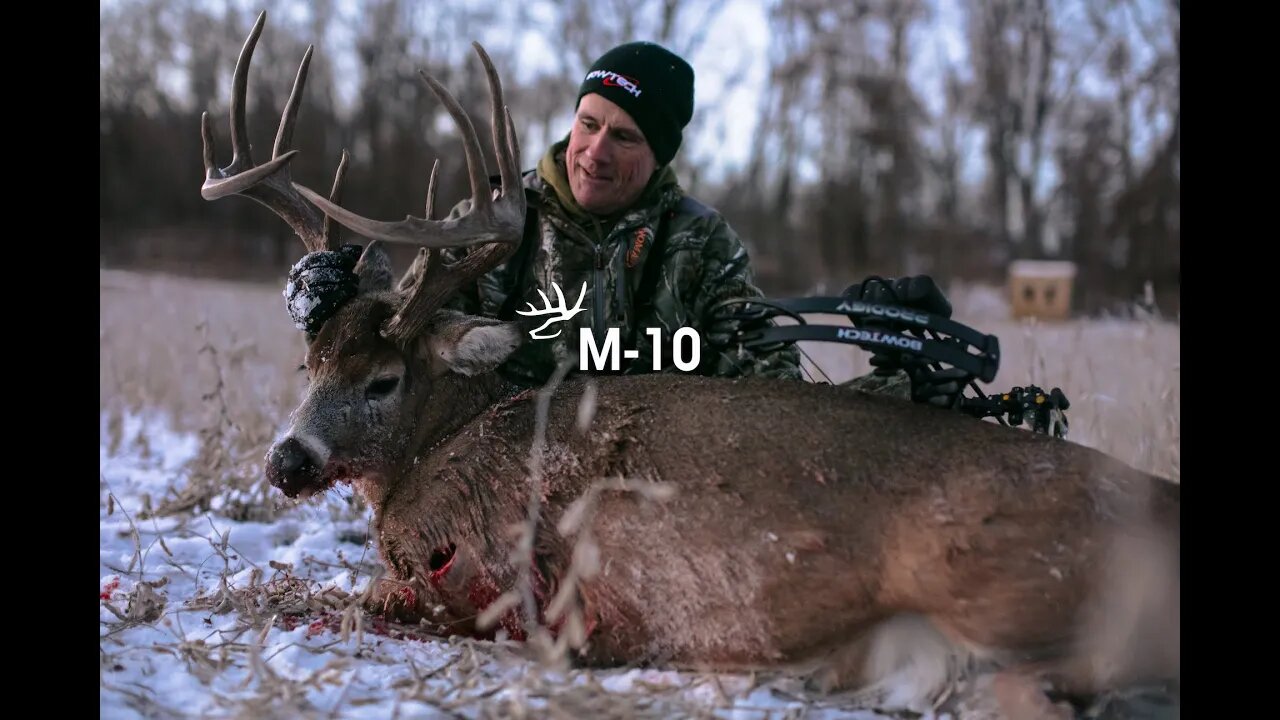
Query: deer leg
pixel 395 600
pixel 844 669
pixel 1087 679
pixel 1021 695
pixel 900 662
pixel 1083 680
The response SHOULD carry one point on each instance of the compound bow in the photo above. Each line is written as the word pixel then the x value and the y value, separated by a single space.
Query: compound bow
pixel 922 344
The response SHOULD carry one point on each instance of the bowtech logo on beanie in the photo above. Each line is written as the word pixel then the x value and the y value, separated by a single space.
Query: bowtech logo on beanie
pixel 653 85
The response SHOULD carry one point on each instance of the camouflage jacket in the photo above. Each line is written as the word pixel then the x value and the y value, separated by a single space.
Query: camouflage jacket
pixel 702 262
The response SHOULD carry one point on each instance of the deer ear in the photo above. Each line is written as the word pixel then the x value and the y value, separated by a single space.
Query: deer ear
pixel 374 269
pixel 470 345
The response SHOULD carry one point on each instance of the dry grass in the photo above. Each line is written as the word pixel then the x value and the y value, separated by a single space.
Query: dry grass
pixel 221 359
pixel 214 358
pixel 165 340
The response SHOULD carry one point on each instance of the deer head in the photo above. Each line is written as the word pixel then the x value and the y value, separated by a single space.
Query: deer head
pixel 391 369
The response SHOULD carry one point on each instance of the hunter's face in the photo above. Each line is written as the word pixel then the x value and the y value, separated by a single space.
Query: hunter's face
pixel 608 159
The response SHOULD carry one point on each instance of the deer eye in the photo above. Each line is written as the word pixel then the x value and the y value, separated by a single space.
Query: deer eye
pixel 381 387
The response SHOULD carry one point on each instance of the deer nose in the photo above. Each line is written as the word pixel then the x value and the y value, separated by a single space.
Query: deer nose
pixel 289 466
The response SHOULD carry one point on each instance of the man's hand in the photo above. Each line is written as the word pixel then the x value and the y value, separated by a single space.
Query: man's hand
pixel 318 285
pixel 722 325
pixel 938 387
pixel 917 292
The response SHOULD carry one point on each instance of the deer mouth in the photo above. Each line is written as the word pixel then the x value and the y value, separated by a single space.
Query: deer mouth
pixel 317 481
pixel 293 469
pixel 336 471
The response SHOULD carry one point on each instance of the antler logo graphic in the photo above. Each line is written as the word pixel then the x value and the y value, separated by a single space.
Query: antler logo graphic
pixel 559 311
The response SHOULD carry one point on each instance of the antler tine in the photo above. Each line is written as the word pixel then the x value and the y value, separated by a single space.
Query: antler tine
pixel 270 183
pixel 498 121
pixel 431 190
pixel 426 256
pixel 284 135
pixel 335 195
pixel 513 142
pixel 436 284
pixel 477 169
pixel 210 152
pixel 241 153
pixel 488 220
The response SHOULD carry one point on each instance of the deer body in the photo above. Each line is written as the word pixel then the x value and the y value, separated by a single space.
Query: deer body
pixel 780 546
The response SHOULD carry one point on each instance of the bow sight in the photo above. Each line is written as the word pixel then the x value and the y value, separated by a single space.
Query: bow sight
pixel 939 355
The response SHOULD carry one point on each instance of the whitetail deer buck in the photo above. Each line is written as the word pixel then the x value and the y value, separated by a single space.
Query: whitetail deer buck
pixel 813 528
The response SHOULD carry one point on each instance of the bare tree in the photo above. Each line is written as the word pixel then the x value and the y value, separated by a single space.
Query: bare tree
pixel 1012 47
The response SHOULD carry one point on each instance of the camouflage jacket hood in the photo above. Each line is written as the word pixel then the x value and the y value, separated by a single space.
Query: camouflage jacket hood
pixel 702 261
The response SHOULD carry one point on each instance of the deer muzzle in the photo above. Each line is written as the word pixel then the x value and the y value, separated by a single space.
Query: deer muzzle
pixel 292 467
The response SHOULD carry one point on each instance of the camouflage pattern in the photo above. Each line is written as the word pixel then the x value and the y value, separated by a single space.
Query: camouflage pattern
pixel 703 262
pixel 897 384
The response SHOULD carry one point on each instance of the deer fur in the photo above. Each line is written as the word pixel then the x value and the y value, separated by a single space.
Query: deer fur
pixel 834 533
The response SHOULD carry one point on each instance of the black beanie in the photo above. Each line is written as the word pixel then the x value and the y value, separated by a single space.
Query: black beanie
pixel 653 85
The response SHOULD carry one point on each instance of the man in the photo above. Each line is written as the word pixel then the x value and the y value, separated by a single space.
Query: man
pixel 607 217
pixel 606 213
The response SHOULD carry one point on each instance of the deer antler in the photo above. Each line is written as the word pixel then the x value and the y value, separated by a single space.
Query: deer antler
pixel 269 183
pixel 494 219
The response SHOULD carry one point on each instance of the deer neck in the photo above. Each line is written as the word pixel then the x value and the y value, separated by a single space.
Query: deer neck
pixel 455 401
